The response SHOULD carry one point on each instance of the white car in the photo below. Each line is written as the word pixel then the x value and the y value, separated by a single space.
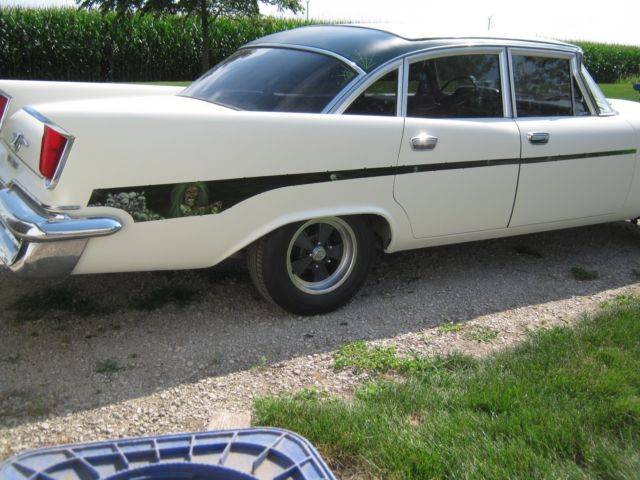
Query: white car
pixel 311 148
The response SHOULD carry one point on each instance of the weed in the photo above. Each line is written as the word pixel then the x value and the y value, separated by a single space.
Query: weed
pixel 449 327
pixel 582 274
pixel 483 334
pixel 360 357
pixel 108 367
pixel 261 365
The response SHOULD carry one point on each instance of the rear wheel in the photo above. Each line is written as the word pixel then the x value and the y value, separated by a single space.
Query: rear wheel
pixel 314 266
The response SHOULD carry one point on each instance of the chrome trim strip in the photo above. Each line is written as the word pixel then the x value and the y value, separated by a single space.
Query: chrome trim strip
pixel 51 184
pixel 6 109
pixel 512 86
pixel 505 81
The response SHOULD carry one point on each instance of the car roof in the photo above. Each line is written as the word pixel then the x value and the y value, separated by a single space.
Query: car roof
pixel 371 45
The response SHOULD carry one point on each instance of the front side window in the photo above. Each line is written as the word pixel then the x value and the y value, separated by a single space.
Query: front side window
pixel 380 98
pixel 459 86
pixel 542 86
pixel 273 80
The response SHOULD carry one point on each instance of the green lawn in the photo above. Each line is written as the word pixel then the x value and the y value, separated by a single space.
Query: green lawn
pixel 564 404
pixel 620 90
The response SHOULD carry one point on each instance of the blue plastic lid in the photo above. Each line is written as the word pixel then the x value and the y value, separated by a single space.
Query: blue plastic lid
pixel 637 86
pixel 250 454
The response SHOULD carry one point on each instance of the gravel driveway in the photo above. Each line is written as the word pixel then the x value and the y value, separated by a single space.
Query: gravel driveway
pixel 110 367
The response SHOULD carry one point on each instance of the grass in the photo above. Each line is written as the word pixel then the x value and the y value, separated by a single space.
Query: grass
pixel 582 274
pixel 563 404
pixel 622 90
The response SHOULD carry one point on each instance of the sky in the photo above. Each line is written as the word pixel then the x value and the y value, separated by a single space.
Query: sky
pixel 613 21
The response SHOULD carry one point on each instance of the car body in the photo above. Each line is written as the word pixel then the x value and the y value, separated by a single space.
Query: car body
pixel 338 136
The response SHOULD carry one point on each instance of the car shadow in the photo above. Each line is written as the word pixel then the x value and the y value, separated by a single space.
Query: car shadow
pixel 90 341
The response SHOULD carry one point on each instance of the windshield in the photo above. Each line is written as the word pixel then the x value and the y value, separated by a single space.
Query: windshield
pixel 273 80
pixel 604 108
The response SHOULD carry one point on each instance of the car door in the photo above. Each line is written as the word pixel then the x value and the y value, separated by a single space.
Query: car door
pixel 575 163
pixel 458 161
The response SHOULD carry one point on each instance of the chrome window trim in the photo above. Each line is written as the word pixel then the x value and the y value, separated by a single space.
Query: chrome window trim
pixel 574 63
pixel 365 82
pixel 360 73
pixel 322 51
pixel 450 51
pixel 51 184
pixel 344 95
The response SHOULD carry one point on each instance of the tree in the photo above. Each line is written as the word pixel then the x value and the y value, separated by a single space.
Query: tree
pixel 206 10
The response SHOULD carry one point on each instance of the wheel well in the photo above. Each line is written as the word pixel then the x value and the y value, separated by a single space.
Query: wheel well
pixel 381 229
pixel 378 224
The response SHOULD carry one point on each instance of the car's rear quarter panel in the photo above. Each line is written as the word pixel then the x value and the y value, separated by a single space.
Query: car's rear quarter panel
pixel 180 140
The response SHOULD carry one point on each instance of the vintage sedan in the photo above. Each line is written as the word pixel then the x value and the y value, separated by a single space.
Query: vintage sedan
pixel 309 149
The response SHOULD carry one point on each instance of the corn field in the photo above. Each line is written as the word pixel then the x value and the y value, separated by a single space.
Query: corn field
pixel 68 44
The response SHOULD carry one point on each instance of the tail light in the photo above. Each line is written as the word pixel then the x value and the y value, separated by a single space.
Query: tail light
pixel 51 151
pixel 4 103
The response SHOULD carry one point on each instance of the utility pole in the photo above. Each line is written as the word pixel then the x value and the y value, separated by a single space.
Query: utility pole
pixel 308 9
pixel 489 20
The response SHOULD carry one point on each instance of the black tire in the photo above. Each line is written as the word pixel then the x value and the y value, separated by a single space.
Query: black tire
pixel 269 261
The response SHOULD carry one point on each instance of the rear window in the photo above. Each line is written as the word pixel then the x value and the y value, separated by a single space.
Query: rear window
pixel 273 80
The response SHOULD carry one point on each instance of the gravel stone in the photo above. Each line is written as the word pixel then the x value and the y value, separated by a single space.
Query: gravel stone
pixel 188 369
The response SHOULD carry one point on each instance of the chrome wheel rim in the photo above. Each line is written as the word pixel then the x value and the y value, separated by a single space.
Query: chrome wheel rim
pixel 321 255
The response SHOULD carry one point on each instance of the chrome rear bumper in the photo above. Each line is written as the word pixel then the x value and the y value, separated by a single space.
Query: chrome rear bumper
pixel 36 242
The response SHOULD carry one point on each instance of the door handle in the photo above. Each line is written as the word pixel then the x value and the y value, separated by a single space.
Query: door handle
pixel 424 142
pixel 538 138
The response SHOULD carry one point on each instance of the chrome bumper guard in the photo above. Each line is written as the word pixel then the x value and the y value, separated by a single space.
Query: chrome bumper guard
pixel 36 242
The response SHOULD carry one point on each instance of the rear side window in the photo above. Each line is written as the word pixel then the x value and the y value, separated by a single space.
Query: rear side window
pixel 459 86
pixel 380 99
pixel 273 80
pixel 543 86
